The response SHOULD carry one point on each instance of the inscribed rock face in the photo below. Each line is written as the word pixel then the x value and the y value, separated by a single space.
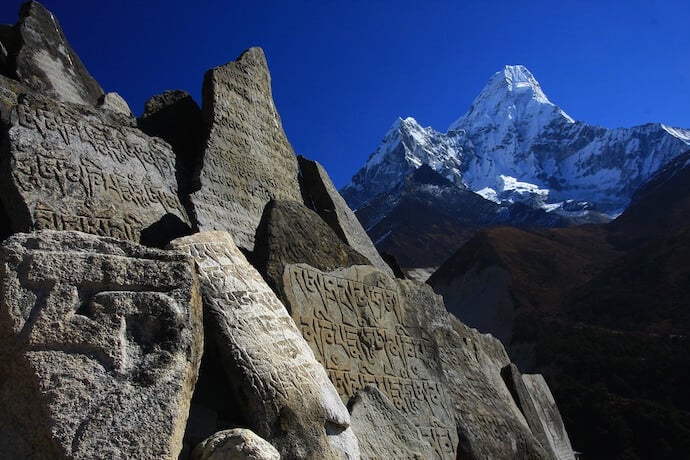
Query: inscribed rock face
pixel 363 331
pixel 367 328
pixel 248 160
pixel 69 167
pixel 100 344
pixel 382 430
pixel 284 391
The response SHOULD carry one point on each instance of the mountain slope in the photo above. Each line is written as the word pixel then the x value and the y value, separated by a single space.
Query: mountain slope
pixel 515 145
pixel 601 311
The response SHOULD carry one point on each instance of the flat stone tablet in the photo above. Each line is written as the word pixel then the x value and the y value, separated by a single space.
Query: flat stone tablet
pixel 69 167
pixel 100 344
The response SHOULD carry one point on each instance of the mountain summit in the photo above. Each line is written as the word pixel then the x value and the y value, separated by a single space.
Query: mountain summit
pixel 512 96
pixel 514 145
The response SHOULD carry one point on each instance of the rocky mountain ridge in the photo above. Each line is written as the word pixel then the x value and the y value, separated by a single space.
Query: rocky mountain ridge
pixel 514 145
pixel 267 327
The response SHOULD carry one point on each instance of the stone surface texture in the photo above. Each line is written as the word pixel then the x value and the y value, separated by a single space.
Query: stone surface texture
pixel 100 341
pixel 247 160
pixel 235 444
pixel 321 195
pixel 115 103
pixel 286 394
pixel 43 60
pixel 290 233
pixel 70 167
pixel 367 328
pixel 552 430
pixel 381 429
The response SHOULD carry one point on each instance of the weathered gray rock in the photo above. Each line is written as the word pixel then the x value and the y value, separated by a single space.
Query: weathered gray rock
pixel 321 195
pixel 100 341
pixel 291 233
pixel 43 60
pixel 552 431
pixel 175 117
pixel 490 425
pixel 70 167
pixel 115 103
pixel 235 444
pixel 284 391
pixel 536 403
pixel 382 430
pixel 366 327
pixel 247 160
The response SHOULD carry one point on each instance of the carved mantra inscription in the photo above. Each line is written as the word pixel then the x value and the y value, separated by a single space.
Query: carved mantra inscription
pixel 248 159
pixel 360 334
pixel 75 172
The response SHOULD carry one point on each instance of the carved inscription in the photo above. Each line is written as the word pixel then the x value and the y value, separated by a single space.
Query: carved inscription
pixel 248 160
pixel 261 345
pixel 112 335
pixel 359 332
pixel 74 171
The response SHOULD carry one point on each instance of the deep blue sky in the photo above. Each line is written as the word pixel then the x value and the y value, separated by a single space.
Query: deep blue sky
pixel 344 71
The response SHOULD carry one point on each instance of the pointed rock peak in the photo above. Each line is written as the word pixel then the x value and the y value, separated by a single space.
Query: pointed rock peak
pixel 519 78
pixel 511 94
pixel 40 57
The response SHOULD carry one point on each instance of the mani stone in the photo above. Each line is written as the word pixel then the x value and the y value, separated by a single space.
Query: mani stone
pixel 235 444
pixel 290 233
pixel 363 330
pixel 285 393
pixel 367 328
pixel 71 167
pixel 44 61
pixel 100 344
pixel 382 431
pixel 321 195
pixel 247 159
pixel 490 425
pixel 115 103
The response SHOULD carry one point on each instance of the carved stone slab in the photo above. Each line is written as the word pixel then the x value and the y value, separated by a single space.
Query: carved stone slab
pixel 490 425
pixel 284 391
pixel 382 430
pixel 100 344
pixel 73 168
pixel 554 434
pixel 320 194
pixel 363 330
pixel 247 160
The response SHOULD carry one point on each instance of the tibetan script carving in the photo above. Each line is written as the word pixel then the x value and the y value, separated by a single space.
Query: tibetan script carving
pixel 72 168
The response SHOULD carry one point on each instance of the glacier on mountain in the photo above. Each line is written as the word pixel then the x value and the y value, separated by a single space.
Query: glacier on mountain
pixel 515 145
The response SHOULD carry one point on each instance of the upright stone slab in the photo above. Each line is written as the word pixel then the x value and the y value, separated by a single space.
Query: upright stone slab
pixel 382 430
pixel 363 331
pixel 70 167
pixel 100 344
pixel 556 438
pixel 489 422
pixel 284 391
pixel 248 160
pixel 321 195
pixel 44 61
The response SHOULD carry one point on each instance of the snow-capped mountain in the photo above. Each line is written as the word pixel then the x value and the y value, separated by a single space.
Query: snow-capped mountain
pixel 514 145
